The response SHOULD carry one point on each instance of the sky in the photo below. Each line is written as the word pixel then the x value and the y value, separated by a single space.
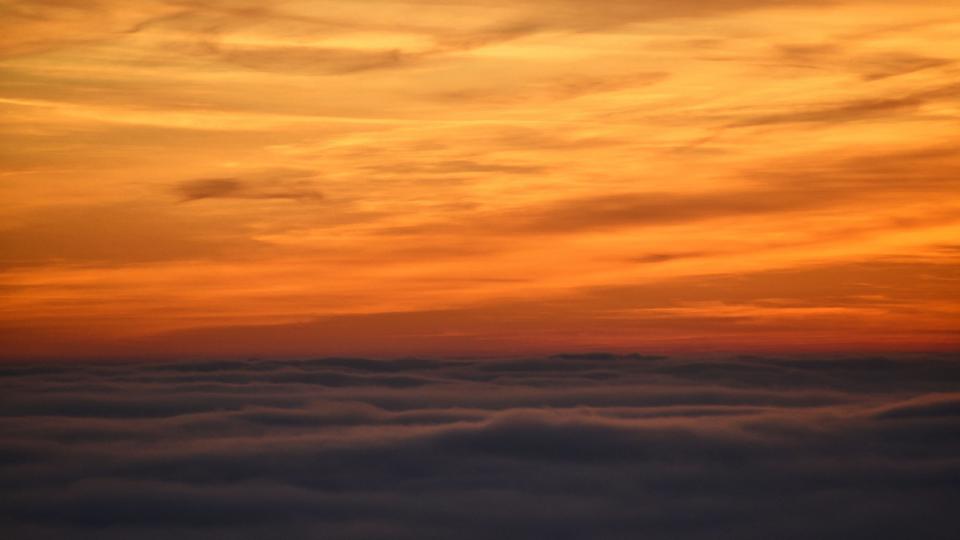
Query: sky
pixel 205 178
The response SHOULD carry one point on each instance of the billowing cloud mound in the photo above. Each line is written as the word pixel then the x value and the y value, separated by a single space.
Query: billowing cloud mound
pixel 573 446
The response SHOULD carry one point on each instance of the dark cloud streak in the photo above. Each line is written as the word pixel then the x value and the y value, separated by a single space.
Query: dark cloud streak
pixel 279 185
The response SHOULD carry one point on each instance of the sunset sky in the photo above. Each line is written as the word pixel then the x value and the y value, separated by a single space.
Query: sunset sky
pixel 474 269
pixel 222 178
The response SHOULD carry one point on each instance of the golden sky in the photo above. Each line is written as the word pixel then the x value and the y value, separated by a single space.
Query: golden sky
pixel 391 177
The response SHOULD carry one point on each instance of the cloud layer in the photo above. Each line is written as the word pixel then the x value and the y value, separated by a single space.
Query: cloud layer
pixel 572 446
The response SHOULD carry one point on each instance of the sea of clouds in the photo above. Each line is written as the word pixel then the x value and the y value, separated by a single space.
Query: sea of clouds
pixel 593 446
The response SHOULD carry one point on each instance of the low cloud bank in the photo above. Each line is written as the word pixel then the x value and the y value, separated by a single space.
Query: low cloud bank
pixel 572 446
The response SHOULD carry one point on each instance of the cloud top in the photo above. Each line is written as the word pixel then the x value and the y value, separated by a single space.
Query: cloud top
pixel 578 445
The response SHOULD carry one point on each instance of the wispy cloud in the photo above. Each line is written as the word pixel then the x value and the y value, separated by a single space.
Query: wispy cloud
pixel 189 165
pixel 280 185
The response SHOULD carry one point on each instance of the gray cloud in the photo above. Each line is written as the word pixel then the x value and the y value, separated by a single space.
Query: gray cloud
pixel 522 448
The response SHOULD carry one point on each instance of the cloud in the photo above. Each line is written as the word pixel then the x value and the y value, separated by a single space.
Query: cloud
pixel 656 208
pixel 205 27
pixel 457 166
pixel 307 60
pixel 826 183
pixel 896 64
pixel 228 449
pixel 606 212
pixel 210 188
pixel 653 258
pixel 131 232
pixel 575 15
pixel 934 407
pixel 562 88
pixel 856 110
pixel 837 56
pixel 280 185
pixel 48 25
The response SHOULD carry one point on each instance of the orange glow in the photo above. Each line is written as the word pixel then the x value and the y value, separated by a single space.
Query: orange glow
pixel 230 177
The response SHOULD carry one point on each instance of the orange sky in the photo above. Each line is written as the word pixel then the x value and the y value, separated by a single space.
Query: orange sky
pixel 391 177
